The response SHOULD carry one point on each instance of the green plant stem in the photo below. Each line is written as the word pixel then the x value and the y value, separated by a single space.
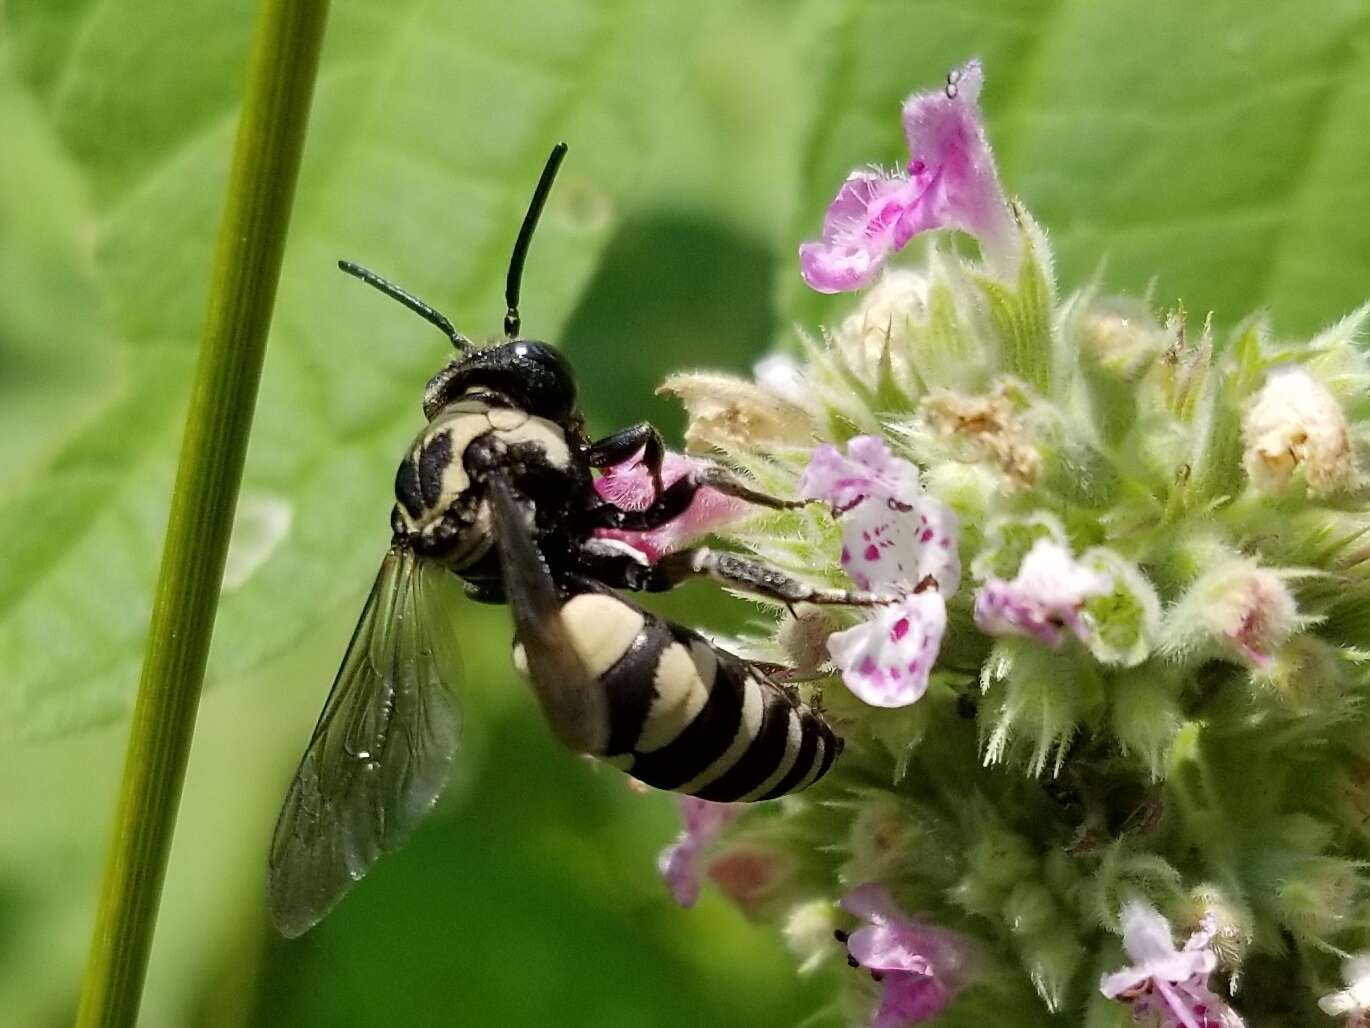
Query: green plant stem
pixel 280 83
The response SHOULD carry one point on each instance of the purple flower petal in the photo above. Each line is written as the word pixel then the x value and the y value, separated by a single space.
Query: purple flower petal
pixel 945 132
pixel 629 486
pixel 1165 983
pixel 1043 600
pixel 703 822
pixel 949 182
pixel 868 468
pixel 885 661
pixel 868 219
pixel 909 999
pixel 921 967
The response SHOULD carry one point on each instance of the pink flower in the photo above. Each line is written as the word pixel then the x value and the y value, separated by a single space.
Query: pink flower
pixel 1043 600
pixel 679 863
pixel 896 538
pixel 949 182
pixel 1166 984
pixel 629 486
pixel 921 968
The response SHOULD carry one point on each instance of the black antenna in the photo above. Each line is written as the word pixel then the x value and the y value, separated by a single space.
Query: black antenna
pixel 411 301
pixel 520 254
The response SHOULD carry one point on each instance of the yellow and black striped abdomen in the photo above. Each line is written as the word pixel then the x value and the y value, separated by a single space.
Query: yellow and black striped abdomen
pixel 690 718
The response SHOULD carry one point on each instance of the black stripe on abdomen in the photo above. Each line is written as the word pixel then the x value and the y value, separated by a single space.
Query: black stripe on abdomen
pixel 761 758
pixel 803 761
pixel 630 687
pixel 703 741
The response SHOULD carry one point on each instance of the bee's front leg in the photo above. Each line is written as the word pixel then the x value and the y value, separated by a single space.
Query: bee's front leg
pixel 623 444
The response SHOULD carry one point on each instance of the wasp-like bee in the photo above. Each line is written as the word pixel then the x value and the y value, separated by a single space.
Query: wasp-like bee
pixel 498 489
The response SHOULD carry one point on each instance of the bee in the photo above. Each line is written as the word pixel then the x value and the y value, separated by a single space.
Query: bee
pixel 497 488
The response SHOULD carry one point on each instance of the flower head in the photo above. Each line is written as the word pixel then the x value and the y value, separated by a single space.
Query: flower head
pixel 920 967
pixel 702 823
pixel 949 182
pixel 629 486
pixel 893 538
pixel 1165 983
pixel 1354 1000
pixel 1044 600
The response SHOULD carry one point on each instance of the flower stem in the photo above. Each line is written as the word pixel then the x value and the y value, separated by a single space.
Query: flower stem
pixel 280 83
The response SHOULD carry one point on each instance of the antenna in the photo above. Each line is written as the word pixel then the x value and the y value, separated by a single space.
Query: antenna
pixel 423 310
pixel 525 237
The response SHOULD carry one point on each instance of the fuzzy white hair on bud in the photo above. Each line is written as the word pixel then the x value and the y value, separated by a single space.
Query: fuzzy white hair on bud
pixel 1296 425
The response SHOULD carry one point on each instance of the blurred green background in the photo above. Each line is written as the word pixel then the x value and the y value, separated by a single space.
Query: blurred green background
pixel 1214 152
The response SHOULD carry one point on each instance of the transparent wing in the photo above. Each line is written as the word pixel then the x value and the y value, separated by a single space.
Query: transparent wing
pixel 571 699
pixel 381 752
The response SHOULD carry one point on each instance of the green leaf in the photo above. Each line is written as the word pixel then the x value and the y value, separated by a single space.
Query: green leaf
pixel 410 168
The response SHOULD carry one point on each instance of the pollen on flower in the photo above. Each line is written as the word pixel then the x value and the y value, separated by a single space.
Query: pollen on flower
pixel 1296 424
pixel 989 428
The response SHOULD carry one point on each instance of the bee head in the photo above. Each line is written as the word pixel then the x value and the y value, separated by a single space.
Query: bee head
pixel 529 375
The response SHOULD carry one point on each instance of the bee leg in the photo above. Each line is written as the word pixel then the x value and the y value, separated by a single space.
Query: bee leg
pixel 753 577
pixel 623 444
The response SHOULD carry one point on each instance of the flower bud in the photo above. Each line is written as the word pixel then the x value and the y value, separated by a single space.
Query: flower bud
pixel 885 321
pixel 1145 715
pixel 1314 899
pixel 1296 424
pixel 1120 336
pixel 804 637
pixel 889 834
pixel 1237 609
pixel 1305 674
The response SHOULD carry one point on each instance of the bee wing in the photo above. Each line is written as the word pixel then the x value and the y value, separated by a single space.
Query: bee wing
pixel 381 752
pixel 570 696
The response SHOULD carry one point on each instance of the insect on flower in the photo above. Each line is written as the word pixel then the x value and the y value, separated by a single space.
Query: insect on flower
pixel 499 489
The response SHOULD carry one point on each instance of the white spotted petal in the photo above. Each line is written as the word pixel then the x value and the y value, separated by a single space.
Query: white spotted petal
pixel 885 661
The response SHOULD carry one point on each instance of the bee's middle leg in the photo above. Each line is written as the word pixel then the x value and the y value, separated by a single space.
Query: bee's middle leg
pixel 751 576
